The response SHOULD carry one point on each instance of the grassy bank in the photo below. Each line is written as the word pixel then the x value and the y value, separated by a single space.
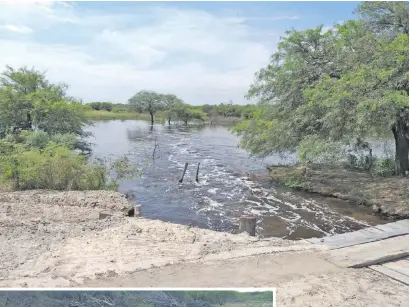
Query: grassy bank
pixel 224 121
pixel 387 196
pixel 101 115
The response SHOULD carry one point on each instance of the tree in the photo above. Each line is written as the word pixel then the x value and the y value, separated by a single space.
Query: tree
pixel 171 104
pixel 389 23
pixel 147 101
pixel 186 113
pixel 29 101
pixel 327 89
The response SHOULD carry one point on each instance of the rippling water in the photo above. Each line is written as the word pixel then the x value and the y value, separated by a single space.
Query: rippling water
pixel 230 182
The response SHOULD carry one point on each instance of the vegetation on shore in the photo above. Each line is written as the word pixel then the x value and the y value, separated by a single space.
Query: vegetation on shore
pixel 325 92
pixel 43 141
pixel 324 95
pixel 388 196
pixel 171 109
pixel 137 298
pixel 107 115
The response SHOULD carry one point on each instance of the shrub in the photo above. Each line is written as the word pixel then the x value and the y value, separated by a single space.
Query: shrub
pixel 384 167
pixel 36 139
pixel 55 167
pixel 58 167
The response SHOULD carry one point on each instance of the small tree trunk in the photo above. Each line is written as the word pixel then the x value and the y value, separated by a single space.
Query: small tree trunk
pixel 169 121
pixel 400 131
pixel 152 119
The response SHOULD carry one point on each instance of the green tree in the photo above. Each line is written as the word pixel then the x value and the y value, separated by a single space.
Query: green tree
pixel 185 113
pixel 147 101
pixel 328 89
pixel 29 101
pixel 171 102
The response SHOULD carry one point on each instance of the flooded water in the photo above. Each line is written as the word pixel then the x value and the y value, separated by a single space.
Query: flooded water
pixel 231 183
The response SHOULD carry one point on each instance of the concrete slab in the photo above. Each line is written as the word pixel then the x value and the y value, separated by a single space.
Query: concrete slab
pixel 363 255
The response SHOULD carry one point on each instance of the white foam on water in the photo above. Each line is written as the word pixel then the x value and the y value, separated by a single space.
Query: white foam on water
pixel 257 212
pixel 253 202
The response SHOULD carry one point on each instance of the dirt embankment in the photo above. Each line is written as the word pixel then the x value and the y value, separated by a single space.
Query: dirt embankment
pixel 56 239
pixel 388 197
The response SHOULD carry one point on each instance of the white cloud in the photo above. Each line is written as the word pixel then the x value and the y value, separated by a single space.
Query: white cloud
pixel 197 55
pixel 17 29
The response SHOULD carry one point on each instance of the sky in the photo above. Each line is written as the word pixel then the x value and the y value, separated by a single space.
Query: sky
pixel 204 52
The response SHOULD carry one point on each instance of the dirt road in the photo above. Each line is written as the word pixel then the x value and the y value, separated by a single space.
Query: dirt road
pixel 50 239
pixel 301 279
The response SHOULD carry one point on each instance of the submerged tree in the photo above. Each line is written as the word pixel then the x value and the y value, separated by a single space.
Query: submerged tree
pixel 148 101
pixel 172 102
pixel 185 113
pixel 323 90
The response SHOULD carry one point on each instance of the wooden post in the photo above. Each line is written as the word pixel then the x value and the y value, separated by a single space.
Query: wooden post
pixel 183 174
pixel 137 211
pixel 247 223
pixel 197 173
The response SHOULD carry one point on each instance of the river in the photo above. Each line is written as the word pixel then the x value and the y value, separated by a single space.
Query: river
pixel 230 182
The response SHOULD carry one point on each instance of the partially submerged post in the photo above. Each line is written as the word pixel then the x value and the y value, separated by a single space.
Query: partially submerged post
pixel 197 173
pixel 137 210
pixel 248 224
pixel 183 174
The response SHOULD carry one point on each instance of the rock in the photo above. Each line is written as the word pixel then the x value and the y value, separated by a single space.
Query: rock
pixel 103 215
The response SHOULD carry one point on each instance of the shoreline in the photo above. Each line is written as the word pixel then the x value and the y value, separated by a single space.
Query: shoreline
pixel 387 196
pixel 52 239
pixel 57 239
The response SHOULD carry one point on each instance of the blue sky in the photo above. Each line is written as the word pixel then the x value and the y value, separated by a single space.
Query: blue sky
pixel 205 52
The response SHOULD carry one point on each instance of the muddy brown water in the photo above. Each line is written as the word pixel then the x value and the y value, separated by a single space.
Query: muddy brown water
pixel 230 182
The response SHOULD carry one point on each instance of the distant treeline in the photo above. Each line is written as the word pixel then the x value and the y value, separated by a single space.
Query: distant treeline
pixel 224 110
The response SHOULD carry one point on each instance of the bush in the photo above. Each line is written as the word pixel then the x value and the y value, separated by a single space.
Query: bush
pixel 384 167
pixel 39 139
pixel 36 139
pixel 58 167
pixel 55 167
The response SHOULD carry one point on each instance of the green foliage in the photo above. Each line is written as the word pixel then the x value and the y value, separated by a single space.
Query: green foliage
pixel 316 150
pixel 115 114
pixel 172 103
pixel 41 132
pixel 327 88
pixel 53 167
pixel 106 106
pixel 38 139
pixel 384 167
pixel 56 166
pixel 29 101
pixel 133 298
pixel 185 113
pixel 121 169
pixel 148 101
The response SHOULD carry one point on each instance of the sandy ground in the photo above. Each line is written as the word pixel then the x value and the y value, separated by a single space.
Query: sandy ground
pixel 56 239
